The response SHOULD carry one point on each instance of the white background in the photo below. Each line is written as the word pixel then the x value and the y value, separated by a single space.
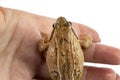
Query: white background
pixel 101 15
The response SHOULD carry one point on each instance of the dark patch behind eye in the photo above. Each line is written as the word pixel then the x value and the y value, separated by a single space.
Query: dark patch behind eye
pixel 69 23
pixel 74 33
pixel 52 34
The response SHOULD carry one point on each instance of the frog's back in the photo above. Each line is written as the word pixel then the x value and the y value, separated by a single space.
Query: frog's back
pixel 64 55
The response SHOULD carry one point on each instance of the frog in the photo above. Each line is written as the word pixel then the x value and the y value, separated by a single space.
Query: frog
pixel 64 51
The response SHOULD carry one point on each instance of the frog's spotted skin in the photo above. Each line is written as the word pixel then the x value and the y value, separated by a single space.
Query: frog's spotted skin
pixel 64 53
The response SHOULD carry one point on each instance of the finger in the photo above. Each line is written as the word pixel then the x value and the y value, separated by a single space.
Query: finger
pixel 94 73
pixel 100 53
pixel 82 30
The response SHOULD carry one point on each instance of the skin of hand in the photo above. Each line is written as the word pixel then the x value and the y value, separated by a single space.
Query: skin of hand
pixel 20 59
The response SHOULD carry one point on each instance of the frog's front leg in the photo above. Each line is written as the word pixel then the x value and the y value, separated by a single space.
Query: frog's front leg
pixel 43 45
pixel 86 41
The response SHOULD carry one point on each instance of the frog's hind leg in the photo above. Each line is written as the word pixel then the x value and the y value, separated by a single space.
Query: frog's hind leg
pixel 86 41
pixel 43 45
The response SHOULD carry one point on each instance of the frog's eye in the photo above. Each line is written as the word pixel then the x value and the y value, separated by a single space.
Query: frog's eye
pixel 69 23
pixel 53 25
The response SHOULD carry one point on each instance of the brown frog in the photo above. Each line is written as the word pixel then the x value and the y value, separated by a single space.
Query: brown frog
pixel 64 52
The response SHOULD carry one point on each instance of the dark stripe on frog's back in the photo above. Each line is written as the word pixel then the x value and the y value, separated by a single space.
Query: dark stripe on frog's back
pixel 51 36
pixel 74 32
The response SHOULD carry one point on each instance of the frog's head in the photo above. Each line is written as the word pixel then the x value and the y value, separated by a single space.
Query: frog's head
pixel 62 22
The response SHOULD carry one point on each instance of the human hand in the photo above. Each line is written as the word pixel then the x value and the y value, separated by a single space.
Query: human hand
pixel 20 59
